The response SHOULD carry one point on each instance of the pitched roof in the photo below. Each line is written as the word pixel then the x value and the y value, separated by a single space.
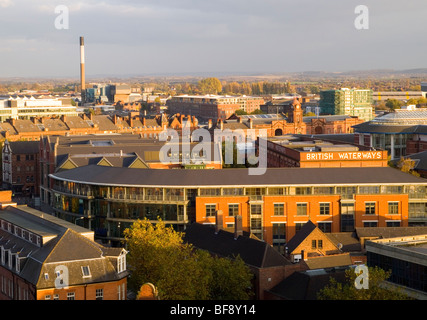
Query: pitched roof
pixel 305 285
pixel 420 160
pixel 24 147
pixel 253 252
pixel 300 236
pixel 346 241
pixel 58 249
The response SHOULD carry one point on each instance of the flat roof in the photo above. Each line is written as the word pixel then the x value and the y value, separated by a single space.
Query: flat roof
pixel 117 176
pixel 39 222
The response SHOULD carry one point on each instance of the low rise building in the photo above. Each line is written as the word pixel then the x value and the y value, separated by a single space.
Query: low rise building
pixel 20 167
pixel 204 107
pixel 400 133
pixel 27 108
pixel 307 152
pixel 39 260
pixel 406 258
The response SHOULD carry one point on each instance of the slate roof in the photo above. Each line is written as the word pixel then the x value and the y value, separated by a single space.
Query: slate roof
pixel 24 147
pixel 348 240
pixel 300 236
pixel 253 252
pixel 421 160
pixel 390 232
pixel 100 175
pixel 59 250
pixel 305 285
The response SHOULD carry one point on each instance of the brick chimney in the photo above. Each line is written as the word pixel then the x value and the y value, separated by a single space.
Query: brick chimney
pixel 250 123
pixel 143 121
pixel 219 221
pixel 304 255
pixel 238 227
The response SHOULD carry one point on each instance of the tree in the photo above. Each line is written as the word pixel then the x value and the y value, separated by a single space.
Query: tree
pixel 393 104
pixel 257 111
pixel 240 112
pixel 407 165
pixel 347 291
pixel 210 86
pixel 158 255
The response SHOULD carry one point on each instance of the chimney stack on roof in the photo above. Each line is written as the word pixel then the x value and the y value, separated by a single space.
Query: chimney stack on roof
pixel 238 227
pixel 219 220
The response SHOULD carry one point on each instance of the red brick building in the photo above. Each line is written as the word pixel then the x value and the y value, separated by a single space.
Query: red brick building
pixel 20 168
pixel 293 123
pixel 39 260
pixel 204 107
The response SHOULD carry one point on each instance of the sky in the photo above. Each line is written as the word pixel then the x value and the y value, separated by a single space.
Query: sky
pixel 139 37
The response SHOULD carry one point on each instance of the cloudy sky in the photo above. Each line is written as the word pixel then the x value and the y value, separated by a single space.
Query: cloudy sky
pixel 186 36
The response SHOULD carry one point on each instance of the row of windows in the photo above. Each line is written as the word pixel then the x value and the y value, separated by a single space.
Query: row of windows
pixel 7 288
pixel 83 189
pixel 20 232
pixel 302 209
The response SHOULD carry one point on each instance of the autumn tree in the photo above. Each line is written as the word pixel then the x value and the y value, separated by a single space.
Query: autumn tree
pixel 407 165
pixel 210 86
pixel 347 290
pixel 158 255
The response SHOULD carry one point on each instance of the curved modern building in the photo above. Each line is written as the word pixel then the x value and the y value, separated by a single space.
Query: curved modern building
pixel 273 206
pixel 394 131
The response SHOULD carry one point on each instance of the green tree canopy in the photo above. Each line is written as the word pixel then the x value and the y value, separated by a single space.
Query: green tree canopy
pixel 348 291
pixel 158 254
pixel 393 104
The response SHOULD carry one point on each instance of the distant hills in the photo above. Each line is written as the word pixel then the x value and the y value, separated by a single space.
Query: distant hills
pixel 239 76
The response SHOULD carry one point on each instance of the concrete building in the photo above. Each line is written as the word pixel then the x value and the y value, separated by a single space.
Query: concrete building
pixel 398 95
pixel 406 257
pixel 39 260
pixel 30 107
pixel 424 89
pixel 352 102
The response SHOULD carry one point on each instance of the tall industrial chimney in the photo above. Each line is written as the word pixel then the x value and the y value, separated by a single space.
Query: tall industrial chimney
pixel 82 70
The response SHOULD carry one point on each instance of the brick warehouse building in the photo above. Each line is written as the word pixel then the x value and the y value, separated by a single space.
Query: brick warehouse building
pixel 37 250
pixel 273 206
pixel 293 123
pixel 307 152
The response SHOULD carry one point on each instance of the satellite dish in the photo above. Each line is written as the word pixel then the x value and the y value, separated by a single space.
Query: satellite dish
pixel 339 245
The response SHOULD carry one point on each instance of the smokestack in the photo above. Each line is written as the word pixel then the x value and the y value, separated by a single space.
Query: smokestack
pixel 82 70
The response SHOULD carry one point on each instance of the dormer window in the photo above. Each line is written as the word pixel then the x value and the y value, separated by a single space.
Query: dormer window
pixel 121 263
pixel 86 272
